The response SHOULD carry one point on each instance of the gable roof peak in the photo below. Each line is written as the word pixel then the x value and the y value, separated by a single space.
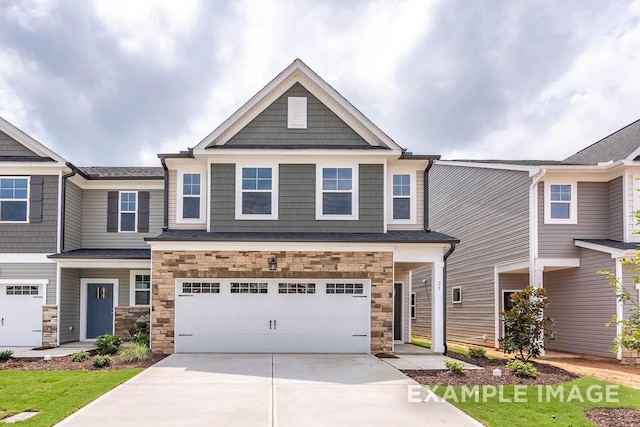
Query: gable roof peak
pixel 623 144
pixel 28 141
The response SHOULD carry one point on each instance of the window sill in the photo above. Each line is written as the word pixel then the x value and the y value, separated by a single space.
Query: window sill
pixel 246 217
pixel 14 222
pixel 402 221
pixel 190 221
pixel 337 218
pixel 549 221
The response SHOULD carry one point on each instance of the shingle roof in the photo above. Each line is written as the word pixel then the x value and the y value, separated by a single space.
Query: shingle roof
pixel 122 172
pixel 611 243
pixel 411 236
pixel 617 146
pixel 105 253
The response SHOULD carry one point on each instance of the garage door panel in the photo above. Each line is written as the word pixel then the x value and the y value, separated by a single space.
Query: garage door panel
pixel 20 315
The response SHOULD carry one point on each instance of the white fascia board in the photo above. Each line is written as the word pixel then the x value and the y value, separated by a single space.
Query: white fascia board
pixel 31 168
pixel 219 153
pixel 24 281
pixel 29 142
pixel 502 166
pixel 298 72
pixel 542 263
pixel 13 258
pixel 139 184
pixel 615 253
pixel 512 266
pixel 139 264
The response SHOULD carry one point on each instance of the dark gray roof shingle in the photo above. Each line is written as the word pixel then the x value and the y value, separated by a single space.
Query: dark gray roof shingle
pixel 105 253
pixel 122 172
pixel 617 146
pixel 411 236
pixel 615 244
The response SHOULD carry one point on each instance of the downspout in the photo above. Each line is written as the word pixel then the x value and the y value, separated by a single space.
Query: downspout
pixel 165 225
pixel 63 198
pixel 444 299
pixel 426 196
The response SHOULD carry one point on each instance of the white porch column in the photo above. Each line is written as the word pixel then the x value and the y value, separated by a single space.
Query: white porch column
pixel 538 282
pixel 437 307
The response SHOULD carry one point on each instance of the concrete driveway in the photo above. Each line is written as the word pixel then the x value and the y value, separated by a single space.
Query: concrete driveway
pixel 268 390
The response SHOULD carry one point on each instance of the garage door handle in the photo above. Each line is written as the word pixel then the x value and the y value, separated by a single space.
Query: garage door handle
pixel 275 324
pixel 270 323
pixel 359 296
pixel 356 335
pixel 2 321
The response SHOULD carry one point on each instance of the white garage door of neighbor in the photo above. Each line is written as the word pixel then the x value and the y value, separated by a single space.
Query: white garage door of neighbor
pixel 272 316
pixel 21 315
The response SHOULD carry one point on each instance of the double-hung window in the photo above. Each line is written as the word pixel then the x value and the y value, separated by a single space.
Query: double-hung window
pixel 128 215
pixel 337 197
pixel 401 197
pixel 140 287
pixel 190 204
pixel 560 203
pixel 14 199
pixel 256 192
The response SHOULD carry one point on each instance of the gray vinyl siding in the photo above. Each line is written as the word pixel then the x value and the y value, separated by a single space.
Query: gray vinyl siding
pixel 41 237
pixel 488 210
pixel 42 271
pixel 297 201
pixel 582 301
pixel 73 217
pixel 69 305
pixel 123 276
pixel 94 222
pixel 421 285
pixel 615 213
pixel 556 240
pixel 9 147
pixel 324 127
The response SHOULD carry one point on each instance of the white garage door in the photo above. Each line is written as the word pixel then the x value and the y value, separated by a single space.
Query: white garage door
pixel 272 316
pixel 21 315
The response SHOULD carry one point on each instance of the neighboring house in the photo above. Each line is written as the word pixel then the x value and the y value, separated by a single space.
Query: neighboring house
pixel 545 223
pixel 293 227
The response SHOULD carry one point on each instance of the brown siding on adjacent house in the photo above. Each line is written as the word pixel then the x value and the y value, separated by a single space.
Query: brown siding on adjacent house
pixel 582 301
pixel 556 240
pixel 488 210
pixel 615 211
pixel 421 285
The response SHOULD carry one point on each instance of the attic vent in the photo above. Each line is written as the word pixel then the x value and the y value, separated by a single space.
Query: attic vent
pixel 297 113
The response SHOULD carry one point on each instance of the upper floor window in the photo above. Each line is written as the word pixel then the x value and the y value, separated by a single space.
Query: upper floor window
pixel 128 211
pixel 560 204
pixel 256 193
pixel 14 199
pixel 402 193
pixel 190 205
pixel 337 195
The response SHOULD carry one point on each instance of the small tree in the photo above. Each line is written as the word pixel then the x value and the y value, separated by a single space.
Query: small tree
pixel 525 325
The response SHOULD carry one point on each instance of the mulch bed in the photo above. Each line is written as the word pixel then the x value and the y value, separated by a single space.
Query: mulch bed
pixel 547 374
pixel 614 417
pixel 66 364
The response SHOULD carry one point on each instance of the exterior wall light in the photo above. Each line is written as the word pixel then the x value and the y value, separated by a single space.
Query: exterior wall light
pixel 273 264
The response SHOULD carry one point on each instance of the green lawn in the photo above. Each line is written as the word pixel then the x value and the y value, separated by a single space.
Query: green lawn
pixel 54 394
pixel 553 411
pixel 453 349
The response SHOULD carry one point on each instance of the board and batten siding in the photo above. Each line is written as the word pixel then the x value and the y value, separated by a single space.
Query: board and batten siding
pixel 40 271
pixel 69 305
pixel 40 237
pixel 488 210
pixel 421 285
pixel 615 212
pixel 582 302
pixel 419 225
pixel 557 240
pixel 324 127
pixel 94 222
pixel 9 147
pixel 297 202
pixel 73 217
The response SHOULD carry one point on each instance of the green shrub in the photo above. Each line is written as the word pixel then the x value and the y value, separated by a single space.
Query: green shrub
pixel 5 355
pixel 455 367
pixel 108 344
pixel 101 361
pixel 140 338
pixel 135 353
pixel 477 352
pixel 79 356
pixel 522 369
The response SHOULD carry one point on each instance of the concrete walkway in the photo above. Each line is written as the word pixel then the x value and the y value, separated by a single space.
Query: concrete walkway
pixel 268 390
pixel 430 362
pixel 63 350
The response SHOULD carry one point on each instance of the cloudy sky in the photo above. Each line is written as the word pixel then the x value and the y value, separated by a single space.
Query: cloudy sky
pixel 115 82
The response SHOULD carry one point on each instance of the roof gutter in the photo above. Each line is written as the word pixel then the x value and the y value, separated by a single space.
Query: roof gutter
pixel 63 202
pixel 444 296
pixel 165 224
pixel 426 194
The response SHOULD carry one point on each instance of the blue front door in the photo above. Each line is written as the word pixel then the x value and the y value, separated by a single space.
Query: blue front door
pixel 99 309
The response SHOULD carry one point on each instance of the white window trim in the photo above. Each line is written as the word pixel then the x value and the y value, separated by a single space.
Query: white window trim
pixel 274 192
pixel 413 305
pixel 412 198
pixel 460 300
pixel 135 229
pixel 179 197
pixel 303 122
pixel 355 201
pixel 28 178
pixel 132 287
pixel 573 205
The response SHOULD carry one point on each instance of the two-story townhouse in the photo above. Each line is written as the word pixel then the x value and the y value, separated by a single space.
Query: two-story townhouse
pixel 293 227
pixel 30 191
pixel 552 224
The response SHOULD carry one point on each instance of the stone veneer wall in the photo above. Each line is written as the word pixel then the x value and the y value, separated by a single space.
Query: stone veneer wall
pixel 630 357
pixel 171 265
pixel 126 318
pixel 49 325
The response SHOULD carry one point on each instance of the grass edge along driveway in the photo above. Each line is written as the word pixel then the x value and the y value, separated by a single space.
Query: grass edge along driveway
pixel 554 412
pixel 55 394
